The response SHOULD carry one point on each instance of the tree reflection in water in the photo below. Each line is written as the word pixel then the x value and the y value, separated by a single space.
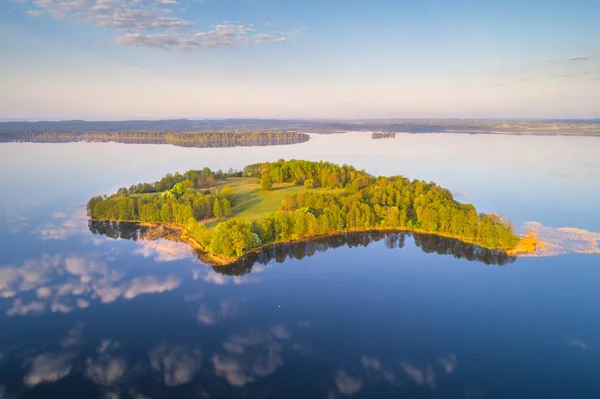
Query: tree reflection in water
pixel 298 250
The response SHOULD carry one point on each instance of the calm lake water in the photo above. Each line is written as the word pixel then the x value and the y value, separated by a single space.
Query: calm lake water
pixel 104 310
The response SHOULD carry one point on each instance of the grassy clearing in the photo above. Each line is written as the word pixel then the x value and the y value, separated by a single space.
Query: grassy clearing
pixel 249 202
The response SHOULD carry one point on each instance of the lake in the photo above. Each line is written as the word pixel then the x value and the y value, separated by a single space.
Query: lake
pixel 118 311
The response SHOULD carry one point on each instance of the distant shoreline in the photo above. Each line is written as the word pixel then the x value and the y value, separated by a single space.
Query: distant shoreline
pixel 194 140
pixel 539 127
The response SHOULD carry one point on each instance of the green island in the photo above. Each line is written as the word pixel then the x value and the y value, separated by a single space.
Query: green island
pixel 227 215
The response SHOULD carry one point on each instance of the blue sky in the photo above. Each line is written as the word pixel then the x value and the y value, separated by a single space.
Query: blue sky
pixel 120 59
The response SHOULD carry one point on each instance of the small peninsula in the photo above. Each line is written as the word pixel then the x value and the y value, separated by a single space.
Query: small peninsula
pixel 227 215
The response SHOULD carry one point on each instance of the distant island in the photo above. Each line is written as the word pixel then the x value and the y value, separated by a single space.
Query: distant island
pixel 379 135
pixel 198 140
pixel 228 215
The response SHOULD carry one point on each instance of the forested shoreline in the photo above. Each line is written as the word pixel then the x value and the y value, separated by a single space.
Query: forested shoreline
pixel 332 199
pixel 193 139
pixel 580 127
pixel 428 243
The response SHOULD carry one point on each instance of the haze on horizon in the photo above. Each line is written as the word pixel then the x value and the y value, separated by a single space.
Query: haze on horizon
pixel 160 59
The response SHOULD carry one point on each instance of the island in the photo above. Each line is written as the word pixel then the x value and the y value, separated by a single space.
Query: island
pixel 227 215
pixel 180 139
pixel 381 135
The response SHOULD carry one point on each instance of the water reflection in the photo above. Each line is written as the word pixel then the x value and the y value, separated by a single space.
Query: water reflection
pixel 58 284
pixel 299 250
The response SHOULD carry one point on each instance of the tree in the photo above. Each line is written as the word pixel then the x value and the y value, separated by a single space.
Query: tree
pixel 226 207
pixel 309 183
pixel 227 192
pixel 266 182
pixel 217 211
pixel 181 188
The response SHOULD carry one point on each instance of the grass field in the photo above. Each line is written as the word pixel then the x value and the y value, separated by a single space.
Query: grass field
pixel 249 202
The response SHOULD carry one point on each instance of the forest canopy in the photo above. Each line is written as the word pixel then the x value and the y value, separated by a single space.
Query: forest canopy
pixel 297 200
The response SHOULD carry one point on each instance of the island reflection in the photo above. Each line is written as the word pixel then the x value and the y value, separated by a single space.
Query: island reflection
pixel 298 250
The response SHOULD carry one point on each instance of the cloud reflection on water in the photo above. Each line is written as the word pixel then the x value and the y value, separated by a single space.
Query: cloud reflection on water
pixel 252 356
pixel 563 240
pixel 347 384
pixel 48 367
pixel 62 286
pixel 176 363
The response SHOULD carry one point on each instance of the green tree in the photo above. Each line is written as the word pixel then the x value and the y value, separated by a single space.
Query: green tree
pixel 266 182
pixel 226 207
pixel 217 211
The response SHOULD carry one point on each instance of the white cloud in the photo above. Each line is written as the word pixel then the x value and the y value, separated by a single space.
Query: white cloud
pixel 105 370
pixel 281 332
pixel 347 384
pixel 8 276
pixel 151 285
pixel 371 362
pixel 251 356
pixel 32 274
pixel 215 278
pixel 84 268
pixel 81 279
pixel 82 303
pixel 206 316
pixel 424 376
pixel 151 23
pixel 75 224
pixel 448 363
pixel 34 13
pixel 221 279
pixel 163 250
pixel 109 294
pixel 43 292
pixel 376 365
pixel 219 36
pixel 16 222
pixel 71 289
pixel 107 346
pixel 116 14
pixel 58 307
pixel 138 286
pixel 177 364
pixel 47 367
pixel 73 337
pixel 19 308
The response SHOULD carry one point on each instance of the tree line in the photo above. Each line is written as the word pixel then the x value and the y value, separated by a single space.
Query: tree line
pixel 179 205
pixel 201 140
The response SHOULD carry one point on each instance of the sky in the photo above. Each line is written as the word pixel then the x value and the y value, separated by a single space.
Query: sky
pixel 351 59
